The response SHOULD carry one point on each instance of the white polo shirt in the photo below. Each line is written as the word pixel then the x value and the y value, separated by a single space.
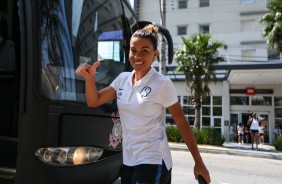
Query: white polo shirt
pixel 141 110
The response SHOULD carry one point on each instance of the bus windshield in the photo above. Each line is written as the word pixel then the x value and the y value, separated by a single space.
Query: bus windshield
pixel 76 32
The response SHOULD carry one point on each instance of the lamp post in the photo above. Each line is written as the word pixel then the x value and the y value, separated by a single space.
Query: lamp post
pixel 162 66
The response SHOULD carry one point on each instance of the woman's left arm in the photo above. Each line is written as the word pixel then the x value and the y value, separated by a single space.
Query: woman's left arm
pixel 188 137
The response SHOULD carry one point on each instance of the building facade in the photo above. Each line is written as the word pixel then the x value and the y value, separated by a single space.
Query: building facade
pixel 250 78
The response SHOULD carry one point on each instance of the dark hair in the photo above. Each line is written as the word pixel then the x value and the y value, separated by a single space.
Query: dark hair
pixel 150 32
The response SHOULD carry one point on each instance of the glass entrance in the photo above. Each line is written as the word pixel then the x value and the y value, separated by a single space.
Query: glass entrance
pixel 247 135
pixel 236 118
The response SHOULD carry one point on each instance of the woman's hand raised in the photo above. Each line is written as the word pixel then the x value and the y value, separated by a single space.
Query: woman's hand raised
pixel 87 71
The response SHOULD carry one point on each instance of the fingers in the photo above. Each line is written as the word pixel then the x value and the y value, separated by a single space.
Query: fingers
pixel 82 69
pixel 85 69
pixel 94 67
pixel 202 171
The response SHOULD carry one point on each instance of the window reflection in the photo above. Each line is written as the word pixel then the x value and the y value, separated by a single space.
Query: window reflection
pixel 261 100
pixel 239 100
pixel 217 122
pixel 206 121
pixel 76 32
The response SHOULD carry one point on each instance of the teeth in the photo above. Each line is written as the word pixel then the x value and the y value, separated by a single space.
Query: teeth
pixel 138 63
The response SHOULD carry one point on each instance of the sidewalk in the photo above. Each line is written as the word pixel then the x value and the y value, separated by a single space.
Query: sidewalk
pixel 264 151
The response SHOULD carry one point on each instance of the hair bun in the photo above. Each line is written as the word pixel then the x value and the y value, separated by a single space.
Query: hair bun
pixel 152 28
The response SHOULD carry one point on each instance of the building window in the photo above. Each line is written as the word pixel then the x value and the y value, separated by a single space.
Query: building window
pixel 261 100
pixel 217 106
pixel 247 1
pixel 204 29
pixel 211 111
pixel 239 100
pixel 247 25
pixel 206 121
pixel 248 54
pixel 278 114
pixel 206 112
pixel 217 122
pixel 182 30
pixel 169 120
pixel 182 4
pixel 204 3
pixel 189 110
pixel 278 102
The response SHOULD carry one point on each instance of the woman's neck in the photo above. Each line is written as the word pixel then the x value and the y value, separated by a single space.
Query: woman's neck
pixel 138 75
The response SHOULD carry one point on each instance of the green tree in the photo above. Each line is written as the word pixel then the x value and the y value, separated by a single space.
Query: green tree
pixel 273 24
pixel 196 60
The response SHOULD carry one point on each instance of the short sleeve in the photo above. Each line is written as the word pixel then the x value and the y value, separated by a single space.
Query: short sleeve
pixel 168 95
pixel 115 82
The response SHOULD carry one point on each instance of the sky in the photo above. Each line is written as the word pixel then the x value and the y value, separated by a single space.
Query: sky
pixel 132 2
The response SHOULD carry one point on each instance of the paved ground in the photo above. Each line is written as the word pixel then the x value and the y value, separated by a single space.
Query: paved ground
pixel 264 151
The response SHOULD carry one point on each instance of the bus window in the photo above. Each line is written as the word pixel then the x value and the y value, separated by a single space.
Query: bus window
pixel 75 33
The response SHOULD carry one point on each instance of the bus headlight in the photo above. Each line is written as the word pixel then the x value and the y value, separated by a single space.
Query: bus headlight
pixel 69 156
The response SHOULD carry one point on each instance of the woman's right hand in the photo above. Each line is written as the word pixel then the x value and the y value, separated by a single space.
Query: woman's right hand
pixel 87 71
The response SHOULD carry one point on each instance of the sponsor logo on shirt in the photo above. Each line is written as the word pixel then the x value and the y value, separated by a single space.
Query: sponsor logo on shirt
pixel 145 91
pixel 119 93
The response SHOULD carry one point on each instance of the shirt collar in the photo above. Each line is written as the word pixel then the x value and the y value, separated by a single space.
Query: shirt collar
pixel 144 79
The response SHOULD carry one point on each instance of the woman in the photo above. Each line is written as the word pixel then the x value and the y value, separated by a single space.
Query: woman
pixel 261 134
pixel 254 129
pixel 240 129
pixel 142 96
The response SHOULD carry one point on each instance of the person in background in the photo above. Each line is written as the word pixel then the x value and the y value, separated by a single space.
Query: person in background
pixel 254 123
pixel 261 134
pixel 141 97
pixel 231 133
pixel 240 129
pixel 246 134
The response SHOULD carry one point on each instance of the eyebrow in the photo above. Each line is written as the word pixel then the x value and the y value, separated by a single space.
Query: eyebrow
pixel 145 47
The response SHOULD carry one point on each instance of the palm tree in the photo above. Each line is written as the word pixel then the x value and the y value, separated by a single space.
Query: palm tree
pixel 196 60
pixel 273 23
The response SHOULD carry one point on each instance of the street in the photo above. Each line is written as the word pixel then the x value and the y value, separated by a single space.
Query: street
pixel 227 169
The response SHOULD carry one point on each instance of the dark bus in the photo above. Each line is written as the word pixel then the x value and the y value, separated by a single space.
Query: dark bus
pixel 48 135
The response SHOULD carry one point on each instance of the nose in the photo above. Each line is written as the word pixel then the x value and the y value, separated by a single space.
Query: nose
pixel 137 56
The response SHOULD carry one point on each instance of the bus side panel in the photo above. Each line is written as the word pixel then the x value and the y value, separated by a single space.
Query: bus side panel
pixel 85 130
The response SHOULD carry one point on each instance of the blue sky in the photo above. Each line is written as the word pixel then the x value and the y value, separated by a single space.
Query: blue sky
pixel 132 1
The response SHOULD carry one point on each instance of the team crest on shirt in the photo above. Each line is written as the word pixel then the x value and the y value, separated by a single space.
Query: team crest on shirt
pixel 116 134
pixel 145 91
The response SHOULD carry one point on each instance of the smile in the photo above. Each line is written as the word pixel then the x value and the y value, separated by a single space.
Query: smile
pixel 138 63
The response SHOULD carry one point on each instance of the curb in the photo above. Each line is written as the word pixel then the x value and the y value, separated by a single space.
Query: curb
pixel 229 151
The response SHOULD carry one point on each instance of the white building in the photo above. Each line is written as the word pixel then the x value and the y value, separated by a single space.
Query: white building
pixel 251 77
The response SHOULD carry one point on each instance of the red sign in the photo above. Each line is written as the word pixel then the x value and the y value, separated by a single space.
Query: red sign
pixel 250 91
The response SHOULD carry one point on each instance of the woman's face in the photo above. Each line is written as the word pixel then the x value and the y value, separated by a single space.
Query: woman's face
pixel 141 54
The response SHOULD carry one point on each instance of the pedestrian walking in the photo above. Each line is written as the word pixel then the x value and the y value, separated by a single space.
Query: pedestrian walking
pixel 254 123
pixel 141 97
